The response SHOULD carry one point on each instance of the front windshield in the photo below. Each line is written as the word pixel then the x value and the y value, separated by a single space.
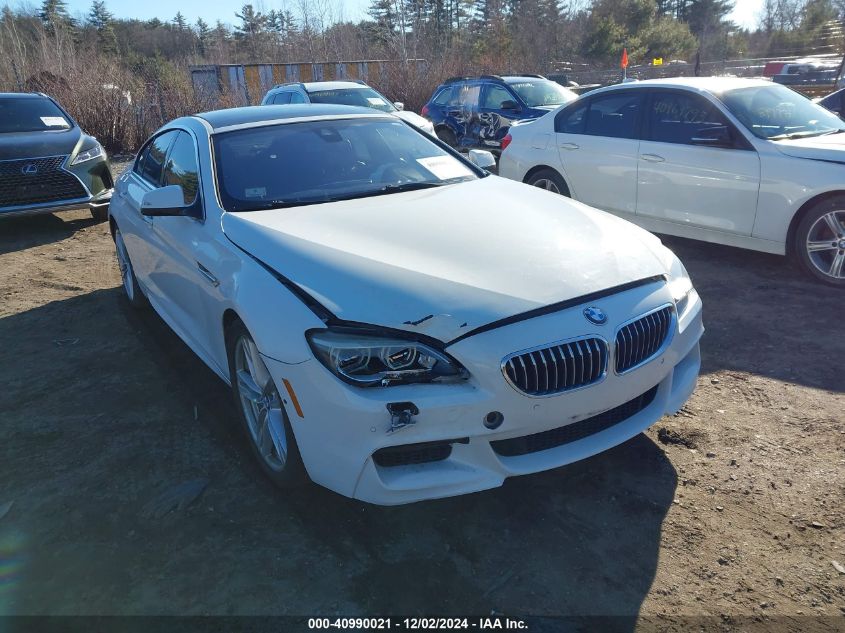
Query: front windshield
pixel 365 97
pixel 26 114
pixel 542 92
pixel 776 112
pixel 295 164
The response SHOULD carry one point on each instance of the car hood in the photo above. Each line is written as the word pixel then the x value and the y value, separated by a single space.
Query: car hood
pixel 413 118
pixel 38 144
pixel 447 260
pixel 829 148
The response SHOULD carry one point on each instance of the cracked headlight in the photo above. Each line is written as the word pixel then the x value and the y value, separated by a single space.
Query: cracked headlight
pixel 369 360
pixel 88 154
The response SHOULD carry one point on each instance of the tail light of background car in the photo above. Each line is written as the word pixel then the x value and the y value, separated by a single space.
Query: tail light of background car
pixel 506 141
pixel 424 111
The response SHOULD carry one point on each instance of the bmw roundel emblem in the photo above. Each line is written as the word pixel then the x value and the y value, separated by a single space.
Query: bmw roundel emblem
pixel 595 315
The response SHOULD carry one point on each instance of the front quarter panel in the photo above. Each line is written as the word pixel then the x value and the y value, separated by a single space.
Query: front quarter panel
pixel 275 317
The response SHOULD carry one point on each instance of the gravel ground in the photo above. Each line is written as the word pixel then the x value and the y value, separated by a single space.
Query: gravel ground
pixel 731 509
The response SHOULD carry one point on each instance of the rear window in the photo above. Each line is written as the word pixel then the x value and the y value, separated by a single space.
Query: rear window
pixel 364 97
pixel 542 92
pixel 25 114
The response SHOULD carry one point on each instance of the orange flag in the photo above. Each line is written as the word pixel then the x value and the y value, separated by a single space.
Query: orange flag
pixel 624 62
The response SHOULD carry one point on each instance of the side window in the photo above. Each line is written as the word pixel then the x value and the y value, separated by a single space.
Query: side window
pixel 182 168
pixel 150 161
pixel 613 115
pixel 571 120
pixel 296 97
pixel 469 95
pixel 494 96
pixel 281 98
pixel 442 97
pixel 676 117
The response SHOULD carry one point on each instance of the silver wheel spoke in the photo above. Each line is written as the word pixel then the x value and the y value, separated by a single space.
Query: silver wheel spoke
pixel 256 366
pixel 833 223
pixel 276 431
pixel 827 245
pixel 248 388
pixel 836 266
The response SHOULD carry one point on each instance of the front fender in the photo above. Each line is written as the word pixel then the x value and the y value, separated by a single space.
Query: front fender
pixel 275 317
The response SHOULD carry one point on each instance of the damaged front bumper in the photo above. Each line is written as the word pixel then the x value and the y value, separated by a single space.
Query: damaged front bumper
pixel 466 437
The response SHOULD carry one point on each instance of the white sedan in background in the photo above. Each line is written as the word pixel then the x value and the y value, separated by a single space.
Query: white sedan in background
pixel 395 322
pixel 741 162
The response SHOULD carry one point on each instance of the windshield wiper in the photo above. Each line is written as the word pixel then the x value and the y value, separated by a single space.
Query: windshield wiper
pixel 266 205
pixel 797 135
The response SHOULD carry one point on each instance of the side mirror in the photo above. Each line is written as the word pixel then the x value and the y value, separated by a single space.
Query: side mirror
pixel 509 105
pixel 482 158
pixel 717 136
pixel 168 200
pixel 398 105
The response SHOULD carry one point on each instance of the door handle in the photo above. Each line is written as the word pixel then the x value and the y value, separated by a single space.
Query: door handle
pixel 569 146
pixel 652 158
pixel 205 272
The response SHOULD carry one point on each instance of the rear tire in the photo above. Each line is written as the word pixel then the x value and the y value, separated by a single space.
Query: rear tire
pixel 261 411
pixel 549 180
pixel 447 136
pixel 133 291
pixel 100 214
pixel 820 241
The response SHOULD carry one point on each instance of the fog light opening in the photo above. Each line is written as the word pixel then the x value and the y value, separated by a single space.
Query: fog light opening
pixel 493 420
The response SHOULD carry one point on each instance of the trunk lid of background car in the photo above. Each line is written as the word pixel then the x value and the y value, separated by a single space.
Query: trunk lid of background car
pixel 444 261
pixel 830 147
pixel 38 144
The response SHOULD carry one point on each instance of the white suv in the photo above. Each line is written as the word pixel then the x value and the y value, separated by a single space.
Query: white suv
pixel 741 162
pixel 352 92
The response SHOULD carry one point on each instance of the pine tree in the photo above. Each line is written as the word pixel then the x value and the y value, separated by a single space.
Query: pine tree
pixel 101 19
pixel 54 14
pixel 180 22
pixel 203 35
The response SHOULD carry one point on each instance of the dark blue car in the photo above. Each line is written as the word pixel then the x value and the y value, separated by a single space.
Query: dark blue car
pixel 476 112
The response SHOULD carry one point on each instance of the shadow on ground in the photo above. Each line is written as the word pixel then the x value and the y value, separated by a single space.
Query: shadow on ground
pixel 20 233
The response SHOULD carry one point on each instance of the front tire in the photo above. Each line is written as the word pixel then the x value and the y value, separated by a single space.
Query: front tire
pixel 133 291
pixel 447 136
pixel 101 213
pixel 820 241
pixel 549 180
pixel 261 411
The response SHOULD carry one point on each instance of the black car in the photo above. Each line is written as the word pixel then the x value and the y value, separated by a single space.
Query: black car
pixel 476 112
pixel 47 163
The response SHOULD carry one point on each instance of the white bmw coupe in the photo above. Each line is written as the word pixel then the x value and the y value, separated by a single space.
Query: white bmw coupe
pixel 395 323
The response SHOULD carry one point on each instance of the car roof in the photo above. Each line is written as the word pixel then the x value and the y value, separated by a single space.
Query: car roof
pixel 25 95
pixel 715 85
pixel 512 79
pixel 259 114
pixel 332 85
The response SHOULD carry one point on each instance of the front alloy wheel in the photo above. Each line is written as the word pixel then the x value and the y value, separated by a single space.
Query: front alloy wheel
pixel 262 411
pixel 820 241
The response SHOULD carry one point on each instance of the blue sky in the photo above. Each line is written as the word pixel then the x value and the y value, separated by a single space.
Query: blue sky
pixel 745 11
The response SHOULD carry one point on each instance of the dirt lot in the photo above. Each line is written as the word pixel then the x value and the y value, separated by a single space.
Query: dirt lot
pixel 732 508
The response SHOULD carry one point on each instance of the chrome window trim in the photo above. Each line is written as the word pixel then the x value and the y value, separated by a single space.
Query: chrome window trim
pixel 546 346
pixel 673 327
